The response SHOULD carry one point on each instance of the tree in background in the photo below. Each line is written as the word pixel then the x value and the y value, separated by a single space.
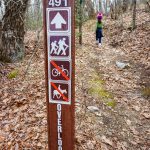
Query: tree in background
pixel 84 11
pixel 80 20
pixel 113 9
pixel 12 30
pixel 106 5
pixel 118 7
pixel 101 5
pixel 125 5
pixel 34 15
pixel 134 14
pixel 147 5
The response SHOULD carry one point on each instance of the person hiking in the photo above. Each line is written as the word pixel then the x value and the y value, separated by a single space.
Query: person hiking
pixel 62 46
pixel 54 47
pixel 99 34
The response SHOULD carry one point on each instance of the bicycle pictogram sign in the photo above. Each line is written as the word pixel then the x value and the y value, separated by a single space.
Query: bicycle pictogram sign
pixel 56 73
pixel 60 70
pixel 59 46
pixel 60 93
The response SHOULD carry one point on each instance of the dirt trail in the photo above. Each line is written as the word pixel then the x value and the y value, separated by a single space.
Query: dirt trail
pixel 121 121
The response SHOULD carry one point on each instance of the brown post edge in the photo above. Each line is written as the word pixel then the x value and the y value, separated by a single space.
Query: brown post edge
pixel 46 64
pixel 60 86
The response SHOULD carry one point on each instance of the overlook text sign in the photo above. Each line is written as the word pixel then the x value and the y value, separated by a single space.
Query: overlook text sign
pixel 60 74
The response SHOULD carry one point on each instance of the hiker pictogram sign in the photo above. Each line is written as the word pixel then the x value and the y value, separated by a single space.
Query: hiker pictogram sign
pixel 60 70
pixel 60 93
pixel 59 46
pixel 59 19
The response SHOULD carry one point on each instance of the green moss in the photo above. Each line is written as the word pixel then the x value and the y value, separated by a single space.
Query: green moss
pixel 78 34
pixel 146 91
pixel 111 103
pixel 13 74
pixel 105 94
pixel 98 90
pixel 98 81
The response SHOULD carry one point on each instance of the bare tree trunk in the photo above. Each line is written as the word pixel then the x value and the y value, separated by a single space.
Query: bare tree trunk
pixel 125 5
pixel 147 7
pixel 112 11
pixel 12 31
pixel 0 35
pixel 116 15
pixel 105 6
pixel 1 8
pixel 134 14
pixel 37 12
pixel 100 5
pixel 80 22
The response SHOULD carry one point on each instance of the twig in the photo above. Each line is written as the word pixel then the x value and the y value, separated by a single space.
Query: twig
pixel 34 51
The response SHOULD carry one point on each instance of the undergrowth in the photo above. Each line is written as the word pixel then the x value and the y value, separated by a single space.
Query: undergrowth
pixel 97 89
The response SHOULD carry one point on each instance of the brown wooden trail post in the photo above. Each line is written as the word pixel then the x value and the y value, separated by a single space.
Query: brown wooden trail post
pixel 60 72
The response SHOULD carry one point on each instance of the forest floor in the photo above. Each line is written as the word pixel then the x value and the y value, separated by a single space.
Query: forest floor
pixel 112 101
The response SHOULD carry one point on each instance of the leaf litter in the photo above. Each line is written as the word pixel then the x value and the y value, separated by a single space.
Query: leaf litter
pixel 120 123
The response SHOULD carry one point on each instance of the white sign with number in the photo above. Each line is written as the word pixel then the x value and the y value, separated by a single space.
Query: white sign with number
pixel 57 3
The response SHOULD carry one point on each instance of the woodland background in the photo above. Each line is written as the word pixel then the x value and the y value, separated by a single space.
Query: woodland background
pixel 112 82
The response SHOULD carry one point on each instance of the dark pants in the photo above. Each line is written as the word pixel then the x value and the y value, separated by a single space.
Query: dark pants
pixel 99 35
